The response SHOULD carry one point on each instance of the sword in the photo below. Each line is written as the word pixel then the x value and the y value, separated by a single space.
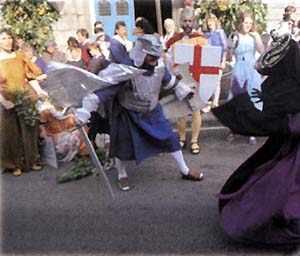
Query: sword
pixel 95 158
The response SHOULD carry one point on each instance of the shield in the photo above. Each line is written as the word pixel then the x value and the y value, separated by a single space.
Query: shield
pixel 172 107
pixel 204 65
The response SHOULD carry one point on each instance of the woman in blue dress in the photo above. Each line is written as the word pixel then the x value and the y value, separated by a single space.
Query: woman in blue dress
pixel 245 42
pixel 217 37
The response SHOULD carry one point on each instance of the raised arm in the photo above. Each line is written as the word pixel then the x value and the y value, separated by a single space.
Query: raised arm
pixel 259 44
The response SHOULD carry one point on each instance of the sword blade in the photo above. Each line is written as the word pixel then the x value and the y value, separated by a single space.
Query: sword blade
pixel 95 159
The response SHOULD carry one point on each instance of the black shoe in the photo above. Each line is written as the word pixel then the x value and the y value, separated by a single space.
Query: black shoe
pixel 194 176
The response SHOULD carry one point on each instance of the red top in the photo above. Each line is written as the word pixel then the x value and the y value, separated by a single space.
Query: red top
pixel 85 56
pixel 179 36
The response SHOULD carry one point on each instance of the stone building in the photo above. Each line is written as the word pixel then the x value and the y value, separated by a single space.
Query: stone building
pixel 77 14
pixel 275 11
pixel 81 13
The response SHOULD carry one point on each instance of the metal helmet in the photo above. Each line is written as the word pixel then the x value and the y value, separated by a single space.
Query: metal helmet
pixel 145 44
pixel 187 12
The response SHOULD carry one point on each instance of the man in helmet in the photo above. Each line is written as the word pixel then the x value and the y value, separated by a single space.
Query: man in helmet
pixel 138 127
pixel 187 20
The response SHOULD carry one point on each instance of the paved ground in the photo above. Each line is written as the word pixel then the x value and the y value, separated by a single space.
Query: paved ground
pixel 162 215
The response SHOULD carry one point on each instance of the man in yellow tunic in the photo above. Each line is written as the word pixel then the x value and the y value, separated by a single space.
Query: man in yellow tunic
pixel 187 19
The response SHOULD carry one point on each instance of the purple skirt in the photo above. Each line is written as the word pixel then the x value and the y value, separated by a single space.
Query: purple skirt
pixel 260 202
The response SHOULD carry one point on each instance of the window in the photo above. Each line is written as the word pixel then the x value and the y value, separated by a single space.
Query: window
pixel 122 8
pixel 104 8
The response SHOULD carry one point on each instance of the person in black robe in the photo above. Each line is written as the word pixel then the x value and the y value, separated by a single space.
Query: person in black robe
pixel 260 202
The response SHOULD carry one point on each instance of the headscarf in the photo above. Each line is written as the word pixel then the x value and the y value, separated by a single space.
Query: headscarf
pixel 281 89
pixel 281 59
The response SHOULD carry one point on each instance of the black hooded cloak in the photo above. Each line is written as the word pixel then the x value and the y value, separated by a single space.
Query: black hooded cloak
pixel 260 202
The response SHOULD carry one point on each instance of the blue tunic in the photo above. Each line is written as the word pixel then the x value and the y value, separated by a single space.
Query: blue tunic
pixel 118 53
pixel 43 67
pixel 218 38
pixel 138 135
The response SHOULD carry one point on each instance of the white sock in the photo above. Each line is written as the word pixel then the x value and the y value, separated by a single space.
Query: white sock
pixel 178 156
pixel 121 168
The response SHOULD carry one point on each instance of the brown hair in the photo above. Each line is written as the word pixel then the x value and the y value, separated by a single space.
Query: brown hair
pixel 25 47
pixel 94 45
pixel 241 19
pixel 98 22
pixel 211 16
pixel 73 42
pixel 10 33
pixel 83 32
pixel 290 9
pixel 118 25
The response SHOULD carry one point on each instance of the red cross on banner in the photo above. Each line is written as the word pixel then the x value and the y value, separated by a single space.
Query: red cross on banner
pixel 204 63
pixel 204 60
pixel 197 69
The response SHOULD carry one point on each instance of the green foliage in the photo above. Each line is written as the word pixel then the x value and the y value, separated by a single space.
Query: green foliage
pixel 31 20
pixel 227 12
pixel 26 106
pixel 81 167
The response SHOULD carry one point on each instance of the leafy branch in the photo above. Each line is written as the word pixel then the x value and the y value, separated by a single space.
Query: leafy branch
pixel 227 12
pixel 31 20
pixel 26 106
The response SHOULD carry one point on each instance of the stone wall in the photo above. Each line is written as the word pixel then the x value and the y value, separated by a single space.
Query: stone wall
pixel 276 10
pixel 75 14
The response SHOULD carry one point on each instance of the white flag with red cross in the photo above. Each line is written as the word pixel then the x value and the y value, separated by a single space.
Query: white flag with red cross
pixel 204 65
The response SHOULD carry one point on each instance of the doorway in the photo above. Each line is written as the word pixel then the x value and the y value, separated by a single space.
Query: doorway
pixel 147 9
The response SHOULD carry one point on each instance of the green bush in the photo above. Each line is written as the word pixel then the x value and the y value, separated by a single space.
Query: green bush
pixel 228 10
pixel 31 20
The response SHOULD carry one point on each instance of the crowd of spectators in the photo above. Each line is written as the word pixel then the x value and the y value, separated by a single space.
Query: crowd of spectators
pixel 95 52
